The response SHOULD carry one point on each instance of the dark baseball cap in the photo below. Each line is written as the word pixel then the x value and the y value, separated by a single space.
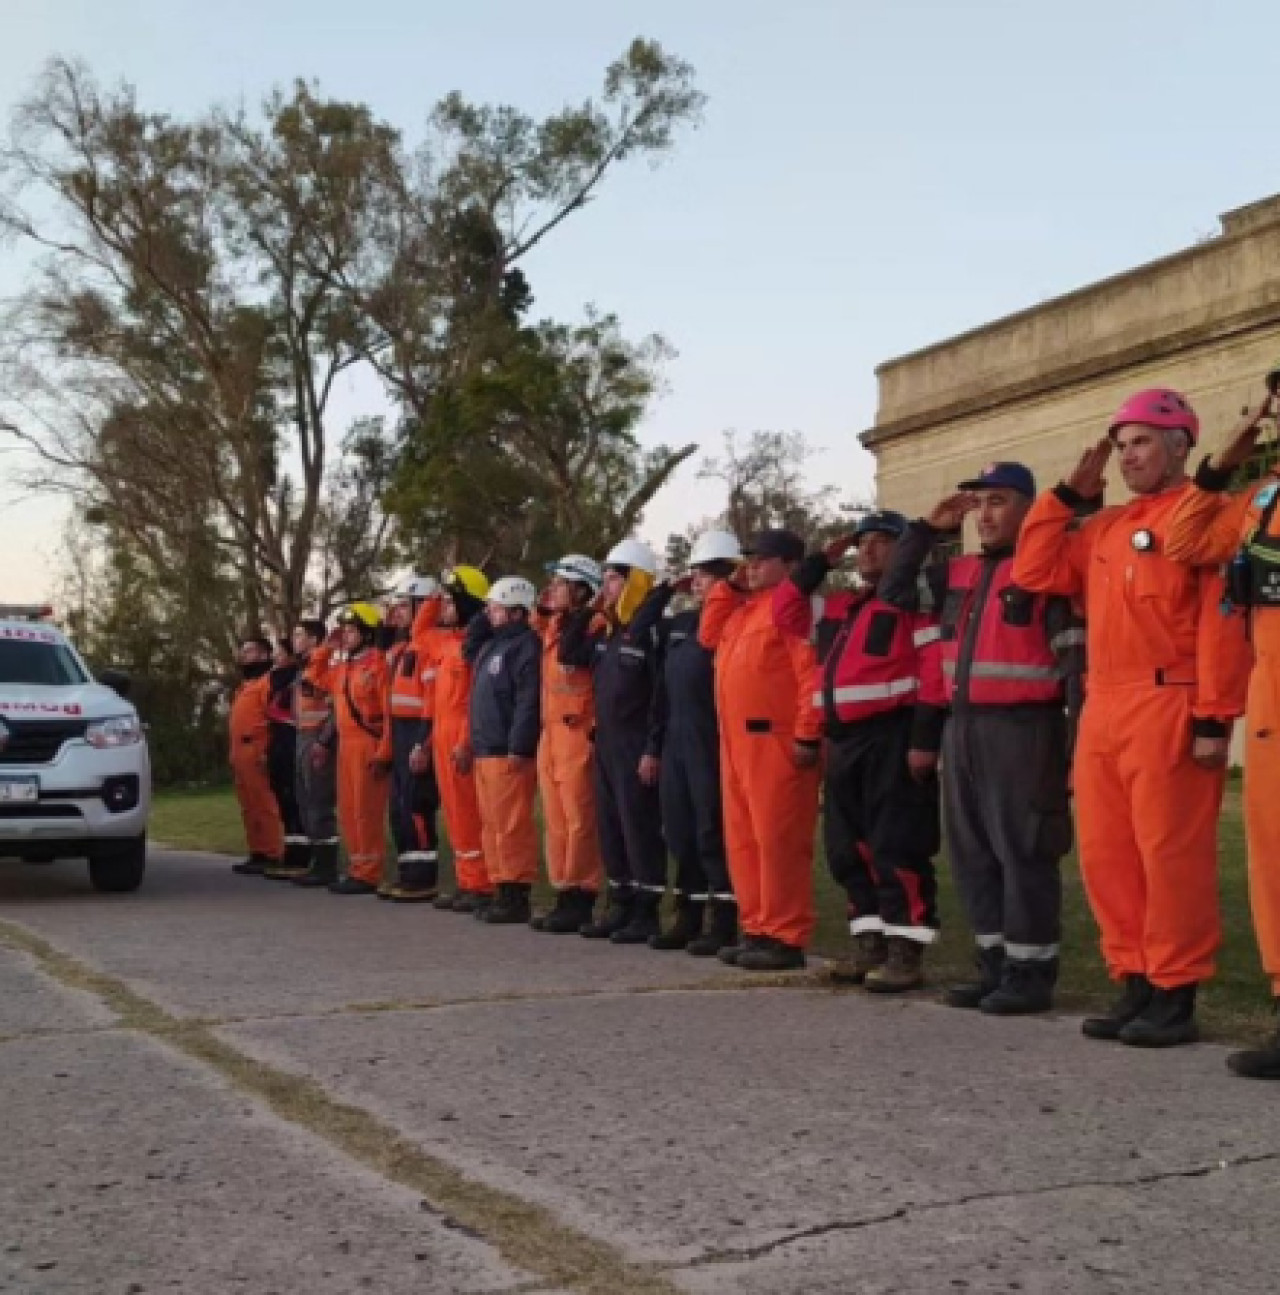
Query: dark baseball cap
pixel 776 543
pixel 1003 476
pixel 885 522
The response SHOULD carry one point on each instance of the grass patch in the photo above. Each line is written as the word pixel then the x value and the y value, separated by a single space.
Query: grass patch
pixel 1235 1005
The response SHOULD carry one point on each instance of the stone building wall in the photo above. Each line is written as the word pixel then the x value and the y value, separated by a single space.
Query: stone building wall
pixel 1041 385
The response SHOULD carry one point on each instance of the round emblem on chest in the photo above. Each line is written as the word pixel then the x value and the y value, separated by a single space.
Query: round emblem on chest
pixel 1143 541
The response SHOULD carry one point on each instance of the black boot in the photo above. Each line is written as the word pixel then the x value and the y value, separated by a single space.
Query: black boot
pixel 990 964
pixel 643 924
pixel 870 952
pixel 324 865
pixel 472 901
pixel 719 933
pixel 1025 988
pixel 1258 1063
pixel 903 969
pixel 564 902
pixel 446 900
pixel 687 925
pixel 770 955
pixel 1167 1020
pixel 353 886
pixel 296 862
pixel 483 903
pixel 511 908
pixel 730 953
pixel 1128 1007
pixel 614 918
pixel 255 865
pixel 575 914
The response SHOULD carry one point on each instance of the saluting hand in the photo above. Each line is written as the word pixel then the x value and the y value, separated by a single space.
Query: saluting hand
pixel 948 514
pixel 835 550
pixel 1244 436
pixel 1087 478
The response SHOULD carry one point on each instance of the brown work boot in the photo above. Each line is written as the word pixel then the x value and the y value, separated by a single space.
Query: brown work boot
pixel 870 950
pixel 903 968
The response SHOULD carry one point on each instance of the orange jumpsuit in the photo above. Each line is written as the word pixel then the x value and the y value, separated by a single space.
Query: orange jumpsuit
pixel 764 681
pixel 1162 654
pixel 565 767
pixel 1210 527
pixel 358 687
pixel 440 654
pixel 250 732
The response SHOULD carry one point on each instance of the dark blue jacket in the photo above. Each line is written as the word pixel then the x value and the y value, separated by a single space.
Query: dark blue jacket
pixel 506 689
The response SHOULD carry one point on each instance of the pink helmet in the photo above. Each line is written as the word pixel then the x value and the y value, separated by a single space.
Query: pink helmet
pixel 1158 407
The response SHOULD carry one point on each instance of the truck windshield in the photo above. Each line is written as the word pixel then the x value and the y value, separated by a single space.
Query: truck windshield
pixel 24 661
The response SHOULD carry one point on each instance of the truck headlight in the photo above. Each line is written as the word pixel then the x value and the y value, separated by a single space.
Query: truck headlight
pixel 125 730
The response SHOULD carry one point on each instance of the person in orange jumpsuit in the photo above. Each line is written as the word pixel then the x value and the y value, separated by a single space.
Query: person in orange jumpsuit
pixel 1166 673
pixel 770 743
pixel 439 637
pixel 415 795
pixel 565 752
pixel 358 685
pixel 1211 526
pixel 250 734
pixel 505 721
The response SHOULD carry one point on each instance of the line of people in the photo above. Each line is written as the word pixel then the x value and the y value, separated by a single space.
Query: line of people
pixel 939 687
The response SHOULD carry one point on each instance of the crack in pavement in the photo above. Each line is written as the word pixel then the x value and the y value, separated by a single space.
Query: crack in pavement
pixel 747 1254
pixel 529 1237
pixel 501 999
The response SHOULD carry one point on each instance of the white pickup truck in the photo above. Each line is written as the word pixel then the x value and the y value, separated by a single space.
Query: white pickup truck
pixel 75 774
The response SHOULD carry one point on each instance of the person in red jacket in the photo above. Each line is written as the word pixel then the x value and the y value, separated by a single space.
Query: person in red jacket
pixel 881 824
pixel 770 745
pixel 1167 673
pixel 1006 657
pixel 250 735
pixel 357 682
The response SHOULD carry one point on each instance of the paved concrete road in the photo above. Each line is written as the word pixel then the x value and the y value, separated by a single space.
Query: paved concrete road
pixel 220 1084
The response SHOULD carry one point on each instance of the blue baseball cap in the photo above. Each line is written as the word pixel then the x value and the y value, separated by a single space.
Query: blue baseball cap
pixel 1003 476
pixel 885 522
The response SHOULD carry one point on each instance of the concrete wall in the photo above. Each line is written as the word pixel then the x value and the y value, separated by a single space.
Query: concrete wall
pixel 1041 385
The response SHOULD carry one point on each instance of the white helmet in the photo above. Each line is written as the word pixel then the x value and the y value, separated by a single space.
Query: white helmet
pixel 418 587
pixel 513 591
pixel 715 546
pixel 633 553
pixel 584 570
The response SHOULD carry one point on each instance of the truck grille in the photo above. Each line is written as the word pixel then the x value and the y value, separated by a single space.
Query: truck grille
pixel 38 741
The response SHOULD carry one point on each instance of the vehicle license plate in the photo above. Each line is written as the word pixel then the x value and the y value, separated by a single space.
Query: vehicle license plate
pixel 19 790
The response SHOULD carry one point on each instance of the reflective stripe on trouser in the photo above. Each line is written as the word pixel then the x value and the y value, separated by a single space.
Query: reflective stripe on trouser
pixel 362 807
pixel 461 809
pixel 1262 807
pixel 415 798
pixel 506 798
pixel 316 789
pixel 263 830
pixel 628 814
pixel 770 813
pixel 566 783
pixel 881 829
pixel 693 811
pixel 1008 820
pixel 1147 816
pixel 283 769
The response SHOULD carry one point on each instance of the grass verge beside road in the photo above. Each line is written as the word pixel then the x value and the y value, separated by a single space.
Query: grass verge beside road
pixel 1236 1004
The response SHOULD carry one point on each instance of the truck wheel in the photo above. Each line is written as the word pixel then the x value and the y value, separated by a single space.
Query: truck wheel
pixel 118 866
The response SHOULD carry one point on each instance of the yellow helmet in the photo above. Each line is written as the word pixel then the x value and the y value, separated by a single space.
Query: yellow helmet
pixel 469 579
pixel 365 615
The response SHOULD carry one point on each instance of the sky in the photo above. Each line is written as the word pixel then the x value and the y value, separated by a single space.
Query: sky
pixel 870 176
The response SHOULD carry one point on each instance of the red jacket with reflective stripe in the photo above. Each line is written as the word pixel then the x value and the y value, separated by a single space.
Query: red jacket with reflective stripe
pixel 1011 662
pixel 872 657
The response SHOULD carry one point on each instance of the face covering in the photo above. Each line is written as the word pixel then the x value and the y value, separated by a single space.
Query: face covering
pixel 254 669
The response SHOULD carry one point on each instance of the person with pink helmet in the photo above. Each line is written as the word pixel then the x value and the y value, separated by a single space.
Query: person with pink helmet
pixel 1167 670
